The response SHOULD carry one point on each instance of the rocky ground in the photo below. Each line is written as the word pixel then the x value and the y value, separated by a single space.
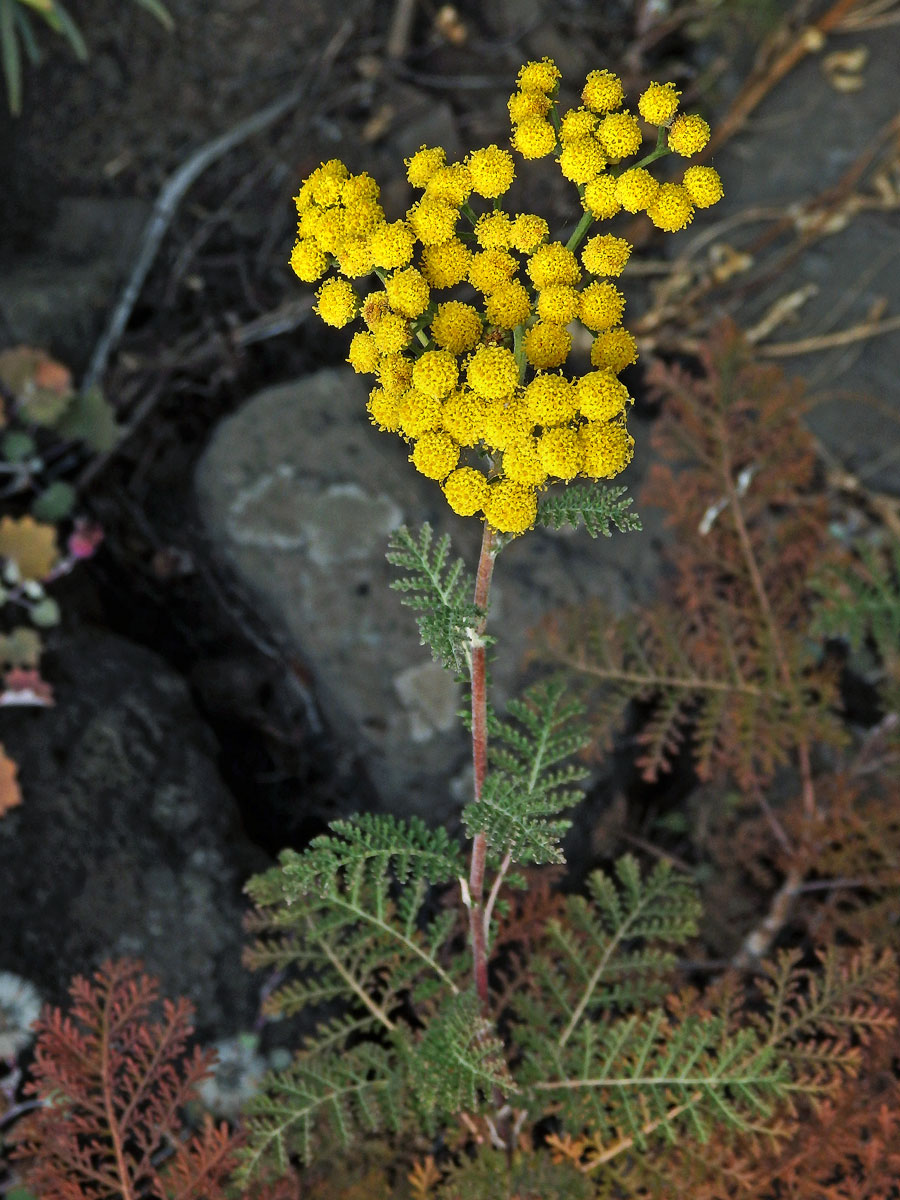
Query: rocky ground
pixel 232 672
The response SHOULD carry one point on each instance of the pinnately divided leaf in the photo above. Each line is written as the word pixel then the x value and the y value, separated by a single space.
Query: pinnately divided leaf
pixel 590 504
pixel 526 789
pixel 441 593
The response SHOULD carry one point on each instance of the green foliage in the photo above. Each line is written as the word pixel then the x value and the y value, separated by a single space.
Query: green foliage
pixel 593 505
pixel 440 592
pixel 526 787
pixel 17 37
pixel 333 1094
pixel 459 1061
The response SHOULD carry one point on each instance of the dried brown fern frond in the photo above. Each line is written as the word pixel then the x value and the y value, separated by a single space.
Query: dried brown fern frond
pixel 113 1075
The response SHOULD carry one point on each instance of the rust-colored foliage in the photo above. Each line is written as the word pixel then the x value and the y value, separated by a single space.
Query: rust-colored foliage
pixel 726 653
pixel 112 1083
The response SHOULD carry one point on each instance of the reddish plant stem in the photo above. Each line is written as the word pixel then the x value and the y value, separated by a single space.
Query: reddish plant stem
pixel 477 932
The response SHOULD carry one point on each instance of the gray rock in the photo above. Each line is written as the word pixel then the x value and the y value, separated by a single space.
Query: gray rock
pixel 299 493
pixel 127 842
pixel 797 145
pixel 58 296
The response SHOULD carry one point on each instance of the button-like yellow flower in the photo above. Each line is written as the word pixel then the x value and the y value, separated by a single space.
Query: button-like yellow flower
pixel 522 462
pixel 493 231
pixel 445 265
pixel 435 454
pixel 534 138
pixel 490 270
pixel 492 171
pixel 508 306
pixel 600 197
pixel 635 189
pixel 435 373
pixel 522 105
pixel 576 123
pixel 407 292
pixel 659 103
pixel 672 208
pixel 608 448
pixel 452 184
pixel 602 305
pixel 337 303
pixel 600 396
pixel 528 232
pixel 560 452
pixel 603 91
pixel 423 164
pixel 392 334
pixel 463 416
pixel 688 135
pixel 620 135
pixel 547 346
pixel 581 159
pixel 466 490
pixel 614 350
pixel 418 413
pixel 558 303
pixel 392 245
pixel 606 254
pixel 493 372
pixel 456 327
pixel 550 400
pixel 703 185
pixel 553 264
pixel 363 355
pixel 433 221
pixel 384 410
pixel 307 260
pixel 510 507
pixel 540 76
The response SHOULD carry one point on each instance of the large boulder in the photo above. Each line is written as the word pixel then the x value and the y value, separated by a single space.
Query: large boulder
pixel 300 493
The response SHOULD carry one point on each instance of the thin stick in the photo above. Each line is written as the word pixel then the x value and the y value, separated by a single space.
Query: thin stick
pixel 173 193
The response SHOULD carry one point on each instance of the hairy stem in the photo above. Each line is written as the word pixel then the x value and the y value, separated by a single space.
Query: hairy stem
pixel 475 898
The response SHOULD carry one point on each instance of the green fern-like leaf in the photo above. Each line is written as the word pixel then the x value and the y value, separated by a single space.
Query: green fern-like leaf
pixel 458 1062
pixel 441 592
pixel 334 1093
pixel 526 787
pixel 594 506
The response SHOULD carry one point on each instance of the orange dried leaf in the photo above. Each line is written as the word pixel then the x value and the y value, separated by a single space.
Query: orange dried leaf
pixel 10 792
pixel 31 545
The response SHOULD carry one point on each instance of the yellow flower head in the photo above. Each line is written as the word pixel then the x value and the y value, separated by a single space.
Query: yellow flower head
pixel 423 164
pixel 703 185
pixel 384 410
pixel 394 373
pixel 490 270
pixel 493 372
pixel 528 232
pixel 635 189
pixel 466 490
pixel 327 181
pixel 522 463
pixel 354 256
pixel 602 305
pixel 505 421
pixel 363 219
pixel 603 91
pixel 600 396
pixel 508 306
pixel 672 208
pixel 363 356
pixel 433 221
pixel 493 231
pixel 329 229
pixel 359 189
pixel 688 134
pixel 576 123
pixel 620 134
pixel 456 327
pixel 553 264
pixel 445 265
pixel 560 452
pixel 463 416
pixel 418 413
pixel 392 334
pixel 540 76
pixel 408 292
pixel 492 171
pixel 435 454
pixel 522 105
pixel 659 103
pixel 307 261
pixel 392 245
pixel 614 350
pixel 581 159
pixel 510 507
pixel 558 304
pixel 451 184
pixel 534 138
pixel 550 400
pixel 600 197
pixel 435 373
pixel 547 345
pixel 606 254
pixel 337 303
pixel 374 309
pixel 607 447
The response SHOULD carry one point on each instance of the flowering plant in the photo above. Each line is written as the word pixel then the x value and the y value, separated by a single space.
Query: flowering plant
pixel 534 1040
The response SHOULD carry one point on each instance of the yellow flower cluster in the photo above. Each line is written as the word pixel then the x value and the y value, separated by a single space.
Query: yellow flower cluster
pixel 475 380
